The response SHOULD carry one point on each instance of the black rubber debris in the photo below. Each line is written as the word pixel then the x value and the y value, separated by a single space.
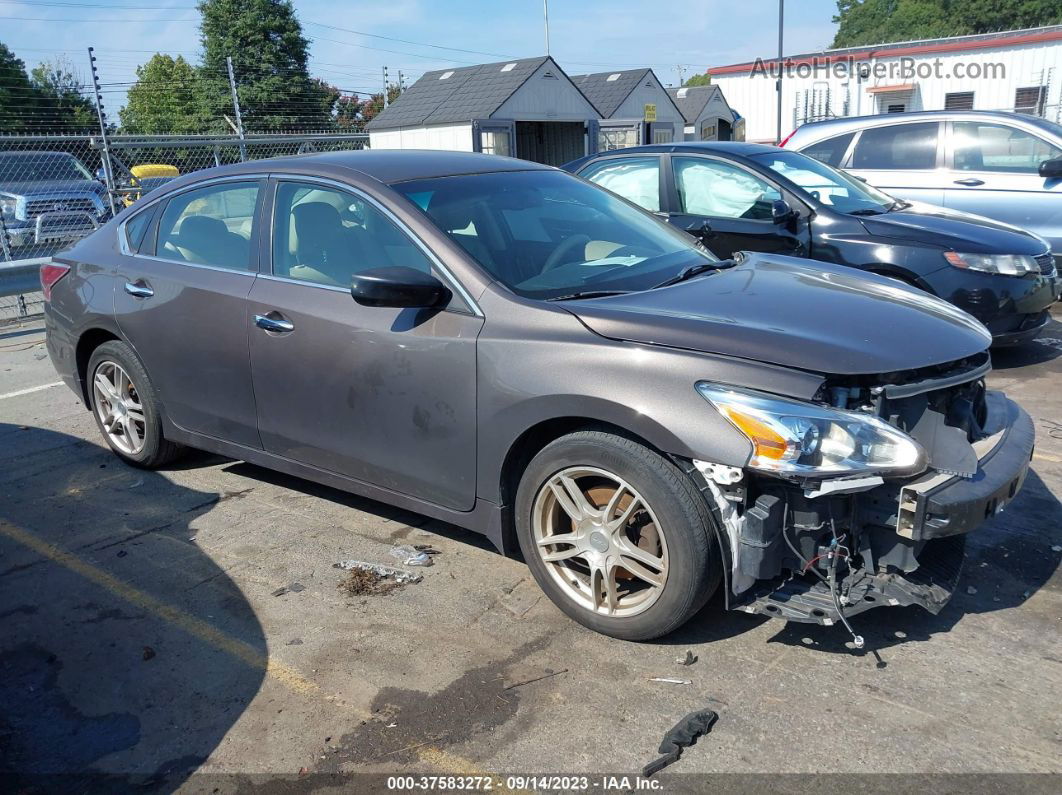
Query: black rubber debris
pixel 682 735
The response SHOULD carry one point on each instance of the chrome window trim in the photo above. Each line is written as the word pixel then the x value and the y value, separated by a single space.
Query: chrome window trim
pixel 199 265
pixel 452 281
pixel 123 241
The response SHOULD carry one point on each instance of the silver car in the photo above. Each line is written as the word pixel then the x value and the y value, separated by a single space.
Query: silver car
pixel 1005 166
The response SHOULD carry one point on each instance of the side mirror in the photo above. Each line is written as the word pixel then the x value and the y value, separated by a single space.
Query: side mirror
pixel 701 229
pixel 398 286
pixel 1051 169
pixel 781 212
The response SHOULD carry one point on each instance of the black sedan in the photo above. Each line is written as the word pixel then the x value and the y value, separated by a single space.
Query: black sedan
pixel 752 197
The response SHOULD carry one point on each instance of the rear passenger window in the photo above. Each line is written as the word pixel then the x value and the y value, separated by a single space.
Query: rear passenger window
pixel 210 226
pixel 899 147
pixel 831 151
pixel 326 236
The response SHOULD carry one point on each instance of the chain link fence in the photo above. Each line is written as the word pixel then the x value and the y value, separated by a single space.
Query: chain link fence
pixel 55 189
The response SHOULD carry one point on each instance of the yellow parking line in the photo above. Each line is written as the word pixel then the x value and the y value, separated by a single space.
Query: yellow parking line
pixel 196 627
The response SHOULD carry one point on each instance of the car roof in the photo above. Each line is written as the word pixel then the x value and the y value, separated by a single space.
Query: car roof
pixel 35 153
pixel 912 114
pixel 384 165
pixel 732 148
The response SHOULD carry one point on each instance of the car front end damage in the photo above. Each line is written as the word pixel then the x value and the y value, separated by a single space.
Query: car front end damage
pixel 819 549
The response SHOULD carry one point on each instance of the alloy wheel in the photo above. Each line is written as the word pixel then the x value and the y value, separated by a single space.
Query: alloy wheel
pixel 600 541
pixel 118 407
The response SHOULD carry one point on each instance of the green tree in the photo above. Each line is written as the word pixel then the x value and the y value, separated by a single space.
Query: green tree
pixel 700 79
pixel 62 96
pixel 863 22
pixel 19 99
pixel 269 55
pixel 164 98
pixel 374 104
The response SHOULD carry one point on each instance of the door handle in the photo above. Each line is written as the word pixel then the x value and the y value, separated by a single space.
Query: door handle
pixel 970 182
pixel 139 289
pixel 276 324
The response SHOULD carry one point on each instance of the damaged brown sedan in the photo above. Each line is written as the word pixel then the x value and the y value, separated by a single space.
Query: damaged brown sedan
pixel 508 348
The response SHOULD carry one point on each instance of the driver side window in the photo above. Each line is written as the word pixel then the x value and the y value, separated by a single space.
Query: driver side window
pixel 720 190
pixel 325 236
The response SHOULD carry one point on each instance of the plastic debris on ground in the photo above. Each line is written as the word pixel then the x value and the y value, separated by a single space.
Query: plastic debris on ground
pixel 671 680
pixel 682 735
pixel 418 555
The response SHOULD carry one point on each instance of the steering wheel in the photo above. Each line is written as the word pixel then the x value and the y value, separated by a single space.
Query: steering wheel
pixel 556 259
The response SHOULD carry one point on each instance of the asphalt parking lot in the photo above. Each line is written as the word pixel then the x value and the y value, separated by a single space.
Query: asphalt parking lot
pixel 145 633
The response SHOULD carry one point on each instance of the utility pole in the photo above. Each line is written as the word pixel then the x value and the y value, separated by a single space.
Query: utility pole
pixel 545 19
pixel 778 83
pixel 401 82
pixel 681 74
pixel 236 108
pixel 386 102
pixel 108 171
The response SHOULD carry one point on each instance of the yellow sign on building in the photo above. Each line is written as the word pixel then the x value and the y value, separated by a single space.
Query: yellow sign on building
pixel 650 111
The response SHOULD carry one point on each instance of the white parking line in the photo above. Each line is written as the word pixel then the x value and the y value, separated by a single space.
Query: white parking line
pixel 30 391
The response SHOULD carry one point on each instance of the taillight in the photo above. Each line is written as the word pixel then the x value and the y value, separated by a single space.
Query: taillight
pixel 50 274
pixel 786 139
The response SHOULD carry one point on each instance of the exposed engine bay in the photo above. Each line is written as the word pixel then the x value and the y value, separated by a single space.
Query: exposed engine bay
pixel 821 550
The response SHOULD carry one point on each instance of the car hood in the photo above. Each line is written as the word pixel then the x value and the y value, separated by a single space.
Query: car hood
pixel 950 229
pixel 52 187
pixel 797 313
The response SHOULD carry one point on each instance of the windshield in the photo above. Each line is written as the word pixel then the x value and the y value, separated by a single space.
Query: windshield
pixel 42 168
pixel 827 185
pixel 547 234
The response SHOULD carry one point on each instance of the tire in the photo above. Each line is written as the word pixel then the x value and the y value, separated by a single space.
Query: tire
pixel 662 562
pixel 140 443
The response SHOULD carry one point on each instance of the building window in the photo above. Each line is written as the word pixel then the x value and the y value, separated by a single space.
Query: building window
pixel 494 143
pixel 896 109
pixel 662 136
pixel 608 140
pixel 707 132
pixel 1030 100
pixel 963 100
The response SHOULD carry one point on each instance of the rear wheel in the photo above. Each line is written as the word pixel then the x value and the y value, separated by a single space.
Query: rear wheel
pixel 616 535
pixel 126 407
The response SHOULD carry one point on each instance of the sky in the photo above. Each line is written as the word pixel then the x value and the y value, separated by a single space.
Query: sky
pixel 674 38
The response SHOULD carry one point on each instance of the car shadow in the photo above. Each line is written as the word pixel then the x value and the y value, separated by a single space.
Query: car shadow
pixel 1009 558
pixel 126 654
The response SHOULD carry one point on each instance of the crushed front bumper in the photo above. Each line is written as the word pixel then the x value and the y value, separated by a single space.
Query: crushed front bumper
pixel 919 529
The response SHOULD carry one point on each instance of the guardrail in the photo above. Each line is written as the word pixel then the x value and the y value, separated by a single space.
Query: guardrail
pixel 21 276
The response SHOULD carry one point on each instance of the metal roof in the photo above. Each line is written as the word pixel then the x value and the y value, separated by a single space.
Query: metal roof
pixel 607 90
pixel 458 94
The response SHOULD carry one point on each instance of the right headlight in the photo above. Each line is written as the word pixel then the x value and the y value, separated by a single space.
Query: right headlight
pixel 1003 264
pixel 804 440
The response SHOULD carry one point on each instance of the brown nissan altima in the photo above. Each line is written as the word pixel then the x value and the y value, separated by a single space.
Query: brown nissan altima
pixel 507 347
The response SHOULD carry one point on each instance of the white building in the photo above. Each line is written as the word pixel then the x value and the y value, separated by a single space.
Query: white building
pixel 1016 70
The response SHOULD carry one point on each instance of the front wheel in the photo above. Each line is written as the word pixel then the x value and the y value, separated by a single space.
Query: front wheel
pixel 616 535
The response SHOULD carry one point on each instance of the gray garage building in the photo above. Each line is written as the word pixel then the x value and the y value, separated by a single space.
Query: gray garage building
pixel 635 108
pixel 707 115
pixel 526 108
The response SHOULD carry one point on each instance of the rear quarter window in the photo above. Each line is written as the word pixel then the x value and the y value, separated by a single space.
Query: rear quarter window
pixel 136 228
